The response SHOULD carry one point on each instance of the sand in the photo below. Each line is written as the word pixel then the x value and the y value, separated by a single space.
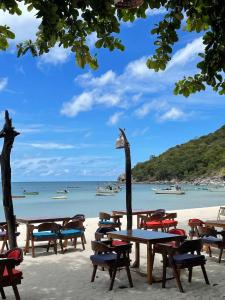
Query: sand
pixel 67 276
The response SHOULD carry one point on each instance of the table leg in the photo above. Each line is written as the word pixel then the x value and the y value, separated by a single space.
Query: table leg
pixel 138 227
pixel 149 263
pixel 27 243
pixel 136 263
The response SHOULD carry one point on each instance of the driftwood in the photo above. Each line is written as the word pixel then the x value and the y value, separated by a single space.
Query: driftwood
pixel 8 133
pixel 128 180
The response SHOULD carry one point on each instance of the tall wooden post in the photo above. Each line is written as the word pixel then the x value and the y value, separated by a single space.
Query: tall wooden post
pixel 8 133
pixel 128 180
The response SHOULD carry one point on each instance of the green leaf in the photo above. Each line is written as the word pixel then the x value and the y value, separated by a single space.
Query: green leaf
pixel 30 7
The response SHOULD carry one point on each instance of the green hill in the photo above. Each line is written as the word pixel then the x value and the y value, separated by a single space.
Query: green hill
pixel 202 157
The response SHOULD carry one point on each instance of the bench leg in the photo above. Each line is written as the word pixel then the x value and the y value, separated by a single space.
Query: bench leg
pixel 113 278
pixel 94 273
pixel 205 274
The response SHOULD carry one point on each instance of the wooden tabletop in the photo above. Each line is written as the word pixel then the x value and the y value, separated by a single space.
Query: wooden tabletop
pixel 216 223
pixel 33 220
pixel 134 212
pixel 144 236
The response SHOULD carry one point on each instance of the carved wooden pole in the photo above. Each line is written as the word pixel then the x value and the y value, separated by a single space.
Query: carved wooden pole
pixel 128 180
pixel 8 133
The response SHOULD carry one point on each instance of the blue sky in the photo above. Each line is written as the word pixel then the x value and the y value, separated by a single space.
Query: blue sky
pixel 69 118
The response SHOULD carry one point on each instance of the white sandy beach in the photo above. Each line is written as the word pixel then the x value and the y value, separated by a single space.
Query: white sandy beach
pixel 67 276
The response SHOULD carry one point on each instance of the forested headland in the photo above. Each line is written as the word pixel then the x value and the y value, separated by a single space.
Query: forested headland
pixel 199 158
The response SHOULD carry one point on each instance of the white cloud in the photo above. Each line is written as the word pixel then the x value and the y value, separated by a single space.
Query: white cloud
pixel 29 130
pixel 24 26
pixel 146 108
pixel 138 68
pixel 102 80
pixel 156 11
pixel 136 87
pixel 3 83
pixel 172 115
pixel 109 99
pixel 80 103
pixel 188 53
pixel 51 146
pixel 86 100
pixel 50 167
pixel 114 119
pixel 140 132
pixel 149 12
pixel 56 55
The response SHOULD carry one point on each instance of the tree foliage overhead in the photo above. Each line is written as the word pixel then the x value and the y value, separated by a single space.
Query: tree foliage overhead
pixel 69 23
pixel 200 157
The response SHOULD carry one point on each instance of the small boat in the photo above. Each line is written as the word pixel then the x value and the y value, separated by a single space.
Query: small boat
pixel 104 191
pixel 62 192
pixel 18 196
pixel 59 197
pixel 30 193
pixel 219 189
pixel 108 189
pixel 73 187
pixel 172 190
pixel 104 194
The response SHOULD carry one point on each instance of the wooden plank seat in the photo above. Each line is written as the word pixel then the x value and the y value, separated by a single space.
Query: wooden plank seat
pixel 187 255
pixel 112 258
pixel 78 217
pixel 209 237
pixel 9 275
pixel 47 231
pixel 173 244
pixel 106 220
pixel 72 231
pixel 4 236
pixel 194 224
pixel 157 248
pixel 158 220
pixel 101 233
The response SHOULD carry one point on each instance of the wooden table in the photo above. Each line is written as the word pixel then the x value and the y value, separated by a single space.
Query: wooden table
pixel 145 237
pixel 37 220
pixel 215 223
pixel 135 212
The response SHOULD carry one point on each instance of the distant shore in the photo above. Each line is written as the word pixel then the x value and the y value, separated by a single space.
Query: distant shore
pixel 215 180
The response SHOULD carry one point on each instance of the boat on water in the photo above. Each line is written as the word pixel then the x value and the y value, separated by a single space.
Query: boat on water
pixel 62 192
pixel 59 197
pixel 172 190
pixel 104 191
pixel 202 188
pixel 219 189
pixel 18 196
pixel 30 193
pixel 104 194
pixel 107 190
pixel 73 187
pixel 113 188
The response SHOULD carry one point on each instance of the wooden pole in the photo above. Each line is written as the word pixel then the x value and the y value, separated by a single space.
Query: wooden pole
pixel 8 133
pixel 128 180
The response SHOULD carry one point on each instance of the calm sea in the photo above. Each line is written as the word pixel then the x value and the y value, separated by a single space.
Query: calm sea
pixel 81 198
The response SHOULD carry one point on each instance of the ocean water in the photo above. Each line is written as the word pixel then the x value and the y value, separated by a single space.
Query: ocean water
pixel 82 199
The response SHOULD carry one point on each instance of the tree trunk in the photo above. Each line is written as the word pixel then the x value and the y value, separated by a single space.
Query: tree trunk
pixel 8 133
